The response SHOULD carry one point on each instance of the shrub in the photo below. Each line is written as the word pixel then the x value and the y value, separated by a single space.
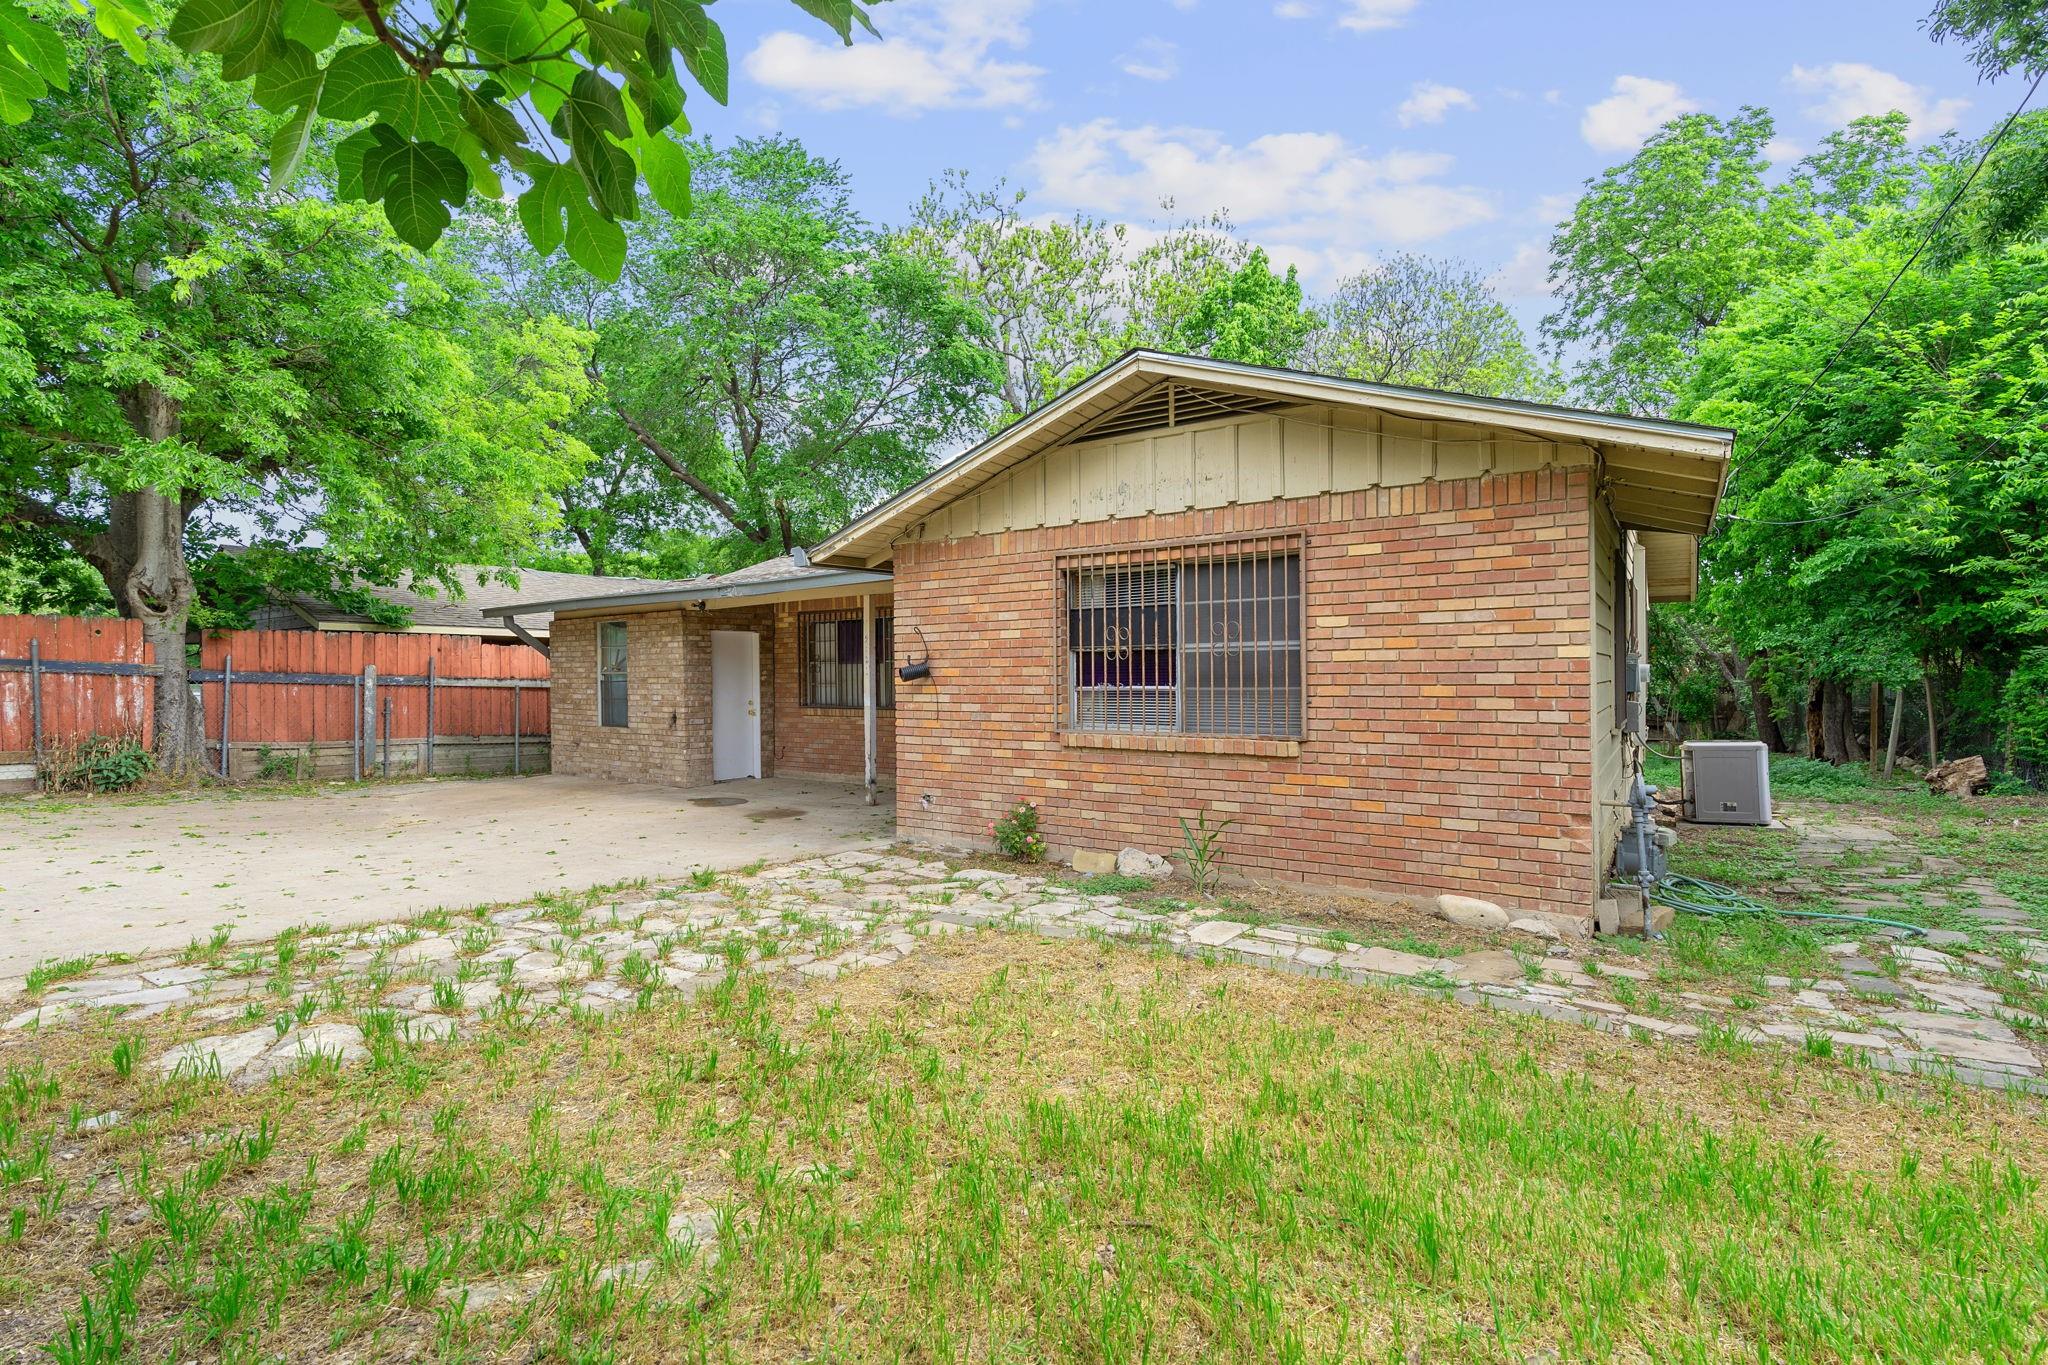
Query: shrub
pixel 2025 710
pixel 97 763
pixel 1016 834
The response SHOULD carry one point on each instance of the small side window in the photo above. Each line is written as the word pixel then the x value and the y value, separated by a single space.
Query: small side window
pixel 611 674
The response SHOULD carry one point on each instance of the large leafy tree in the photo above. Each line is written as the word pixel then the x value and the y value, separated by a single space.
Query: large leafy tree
pixel 1890 528
pixel 1064 296
pixel 1659 248
pixel 1252 314
pixel 580 99
pixel 2002 35
pixel 183 344
pixel 768 365
pixel 1431 323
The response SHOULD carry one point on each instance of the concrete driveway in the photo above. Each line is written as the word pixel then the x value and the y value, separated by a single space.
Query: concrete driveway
pixel 121 875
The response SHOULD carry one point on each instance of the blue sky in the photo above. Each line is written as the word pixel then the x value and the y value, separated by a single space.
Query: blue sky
pixel 1334 131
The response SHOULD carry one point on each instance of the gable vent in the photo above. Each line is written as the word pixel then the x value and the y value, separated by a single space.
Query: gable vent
pixel 1168 404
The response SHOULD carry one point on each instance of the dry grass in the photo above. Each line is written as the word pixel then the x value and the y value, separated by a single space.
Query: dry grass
pixel 1012 1149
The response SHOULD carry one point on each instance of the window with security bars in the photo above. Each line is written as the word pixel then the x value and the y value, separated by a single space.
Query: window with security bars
pixel 830 647
pixel 611 674
pixel 1195 640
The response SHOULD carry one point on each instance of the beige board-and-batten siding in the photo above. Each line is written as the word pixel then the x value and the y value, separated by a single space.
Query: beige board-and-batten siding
pixel 1615 752
pixel 1298 452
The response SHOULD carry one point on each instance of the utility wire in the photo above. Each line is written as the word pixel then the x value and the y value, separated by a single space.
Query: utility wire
pixel 1926 239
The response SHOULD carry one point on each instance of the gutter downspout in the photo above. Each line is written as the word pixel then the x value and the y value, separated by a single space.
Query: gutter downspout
pixel 867 693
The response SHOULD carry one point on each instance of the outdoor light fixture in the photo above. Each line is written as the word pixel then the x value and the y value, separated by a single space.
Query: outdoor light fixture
pixel 917 668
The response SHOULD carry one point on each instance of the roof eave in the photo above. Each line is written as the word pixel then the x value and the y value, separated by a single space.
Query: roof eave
pixel 823 585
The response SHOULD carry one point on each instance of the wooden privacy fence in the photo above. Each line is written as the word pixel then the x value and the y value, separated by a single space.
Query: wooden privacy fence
pixel 38 701
pixel 287 703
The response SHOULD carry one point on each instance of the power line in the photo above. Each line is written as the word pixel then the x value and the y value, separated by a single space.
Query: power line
pixel 1926 239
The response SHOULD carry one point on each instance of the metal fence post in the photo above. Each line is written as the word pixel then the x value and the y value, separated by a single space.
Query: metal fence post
pixel 355 728
pixel 516 690
pixel 427 752
pixel 369 717
pixel 227 682
pixel 35 698
pixel 384 749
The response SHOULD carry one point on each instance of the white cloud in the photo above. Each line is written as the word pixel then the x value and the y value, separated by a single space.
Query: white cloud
pixel 1428 102
pixel 1849 90
pixel 1369 16
pixel 1552 209
pixel 1526 274
pixel 1294 9
pixel 1637 108
pixel 1151 59
pixel 1781 150
pixel 1313 199
pixel 938 56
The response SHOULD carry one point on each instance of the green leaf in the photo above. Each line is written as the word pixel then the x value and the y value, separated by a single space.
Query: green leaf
pixel 684 26
pixel 595 242
pixel 492 122
pixel 840 16
pixel 32 62
pixel 311 23
pixel 348 163
pixel 418 182
pixel 545 202
pixel 262 44
pixel 504 30
pixel 361 79
pixel 617 39
pixel 588 121
pixel 667 168
pixel 216 25
pixel 288 146
pixel 122 21
pixel 294 79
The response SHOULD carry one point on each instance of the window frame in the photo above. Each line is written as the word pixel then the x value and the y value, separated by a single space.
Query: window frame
pixel 885 660
pixel 1179 555
pixel 622 676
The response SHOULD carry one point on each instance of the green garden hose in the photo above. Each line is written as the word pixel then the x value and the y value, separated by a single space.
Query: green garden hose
pixel 1692 896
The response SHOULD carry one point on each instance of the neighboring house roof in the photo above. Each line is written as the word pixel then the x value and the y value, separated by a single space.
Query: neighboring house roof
pixel 482 607
pixel 773 580
pixel 1662 475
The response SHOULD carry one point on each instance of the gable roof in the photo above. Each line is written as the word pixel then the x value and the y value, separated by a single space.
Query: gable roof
pixel 1661 474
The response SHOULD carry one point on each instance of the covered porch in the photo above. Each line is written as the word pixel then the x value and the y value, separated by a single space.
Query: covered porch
pixel 777 670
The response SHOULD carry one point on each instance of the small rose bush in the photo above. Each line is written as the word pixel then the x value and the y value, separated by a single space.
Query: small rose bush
pixel 1016 834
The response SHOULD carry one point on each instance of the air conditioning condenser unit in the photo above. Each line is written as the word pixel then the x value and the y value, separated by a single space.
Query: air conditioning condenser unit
pixel 1726 782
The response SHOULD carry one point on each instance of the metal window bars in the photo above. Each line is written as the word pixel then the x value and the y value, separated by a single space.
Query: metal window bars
pixel 830 660
pixel 1200 638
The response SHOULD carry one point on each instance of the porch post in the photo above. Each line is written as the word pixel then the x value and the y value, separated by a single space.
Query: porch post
pixel 867 691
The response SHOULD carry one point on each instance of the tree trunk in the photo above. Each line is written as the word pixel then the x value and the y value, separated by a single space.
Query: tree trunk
pixel 1933 736
pixel 141 556
pixel 1759 704
pixel 1838 728
pixel 1816 721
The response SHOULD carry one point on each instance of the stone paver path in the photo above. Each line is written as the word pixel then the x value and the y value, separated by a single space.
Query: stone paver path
pixel 1899 1006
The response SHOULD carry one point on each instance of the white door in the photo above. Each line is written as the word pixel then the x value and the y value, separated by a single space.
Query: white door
pixel 735 704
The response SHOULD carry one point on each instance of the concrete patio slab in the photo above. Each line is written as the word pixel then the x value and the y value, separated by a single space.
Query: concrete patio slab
pixel 150 874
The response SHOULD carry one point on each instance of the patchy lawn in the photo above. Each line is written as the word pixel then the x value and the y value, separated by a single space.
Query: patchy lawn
pixel 683 1127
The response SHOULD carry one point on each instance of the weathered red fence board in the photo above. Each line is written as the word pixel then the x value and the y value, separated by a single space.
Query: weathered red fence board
pixel 309 713
pixel 74 705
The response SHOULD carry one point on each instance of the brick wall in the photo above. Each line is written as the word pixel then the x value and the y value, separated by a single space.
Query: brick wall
pixel 815 739
pixel 1447 667
pixel 667 735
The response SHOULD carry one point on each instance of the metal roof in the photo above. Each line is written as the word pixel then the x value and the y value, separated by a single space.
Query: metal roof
pixel 1662 474
pixel 780 579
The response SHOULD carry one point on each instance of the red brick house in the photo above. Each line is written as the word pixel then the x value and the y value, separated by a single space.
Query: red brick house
pixel 1383 631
